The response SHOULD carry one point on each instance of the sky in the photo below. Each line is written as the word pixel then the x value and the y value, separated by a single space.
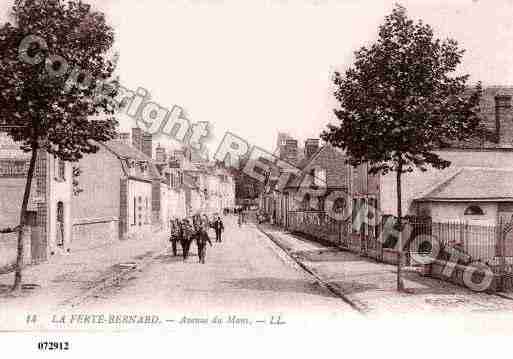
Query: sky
pixel 258 67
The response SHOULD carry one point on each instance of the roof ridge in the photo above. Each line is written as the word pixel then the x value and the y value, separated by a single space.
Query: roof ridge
pixel 441 183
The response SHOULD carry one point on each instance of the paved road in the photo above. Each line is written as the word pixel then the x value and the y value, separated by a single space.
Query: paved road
pixel 372 285
pixel 245 274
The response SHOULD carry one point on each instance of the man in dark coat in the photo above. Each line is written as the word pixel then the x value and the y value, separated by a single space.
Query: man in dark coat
pixel 201 241
pixel 186 238
pixel 175 235
pixel 218 228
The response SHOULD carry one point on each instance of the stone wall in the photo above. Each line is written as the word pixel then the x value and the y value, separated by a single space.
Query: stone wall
pixel 94 233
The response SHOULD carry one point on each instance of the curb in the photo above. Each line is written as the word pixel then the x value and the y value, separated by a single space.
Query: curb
pixel 330 287
pixel 502 295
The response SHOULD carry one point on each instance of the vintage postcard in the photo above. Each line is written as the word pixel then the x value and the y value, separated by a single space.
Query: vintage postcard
pixel 316 170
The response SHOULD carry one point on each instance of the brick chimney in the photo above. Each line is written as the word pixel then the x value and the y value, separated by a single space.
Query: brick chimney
pixel 137 138
pixel 290 151
pixel 147 144
pixel 504 120
pixel 160 154
pixel 311 147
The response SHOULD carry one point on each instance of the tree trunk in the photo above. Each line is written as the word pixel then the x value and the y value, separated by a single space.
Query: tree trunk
pixel 400 285
pixel 23 218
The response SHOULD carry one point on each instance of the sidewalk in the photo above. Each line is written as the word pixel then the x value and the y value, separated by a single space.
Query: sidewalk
pixel 371 286
pixel 68 276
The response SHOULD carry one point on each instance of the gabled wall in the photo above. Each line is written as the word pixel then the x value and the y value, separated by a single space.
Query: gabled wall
pixel 96 210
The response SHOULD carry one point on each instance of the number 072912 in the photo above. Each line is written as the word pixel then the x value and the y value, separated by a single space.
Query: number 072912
pixel 53 346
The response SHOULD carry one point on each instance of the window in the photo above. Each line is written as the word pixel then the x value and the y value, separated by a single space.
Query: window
pixel 60 224
pixel 59 169
pixel 62 169
pixel 135 212
pixel 147 211
pixel 474 211
pixel 139 210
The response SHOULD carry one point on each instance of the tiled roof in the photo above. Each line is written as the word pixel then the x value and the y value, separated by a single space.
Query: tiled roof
pixel 473 183
pixel 295 180
pixel 307 164
pixel 125 152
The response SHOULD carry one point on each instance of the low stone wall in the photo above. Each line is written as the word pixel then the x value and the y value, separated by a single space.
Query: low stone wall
pixel 92 233
pixel 318 232
pixel 374 254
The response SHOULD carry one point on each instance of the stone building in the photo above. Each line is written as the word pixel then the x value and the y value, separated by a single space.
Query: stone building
pixel 466 158
pixel 49 207
pixel 117 186
pixel 475 190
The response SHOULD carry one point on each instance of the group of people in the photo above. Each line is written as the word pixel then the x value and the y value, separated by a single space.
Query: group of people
pixel 195 229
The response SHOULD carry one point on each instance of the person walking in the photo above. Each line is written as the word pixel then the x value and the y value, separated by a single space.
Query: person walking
pixel 202 239
pixel 244 216
pixel 240 217
pixel 206 223
pixel 186 238
pixel 175 235
pixel 218 228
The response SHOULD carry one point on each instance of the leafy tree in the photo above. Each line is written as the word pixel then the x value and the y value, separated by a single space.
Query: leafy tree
pixel 56 91
pixel 401 100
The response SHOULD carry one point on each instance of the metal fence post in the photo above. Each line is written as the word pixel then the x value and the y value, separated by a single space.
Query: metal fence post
pixel 502 255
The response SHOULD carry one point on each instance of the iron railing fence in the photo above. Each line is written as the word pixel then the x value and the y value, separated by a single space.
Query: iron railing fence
pixel 489 244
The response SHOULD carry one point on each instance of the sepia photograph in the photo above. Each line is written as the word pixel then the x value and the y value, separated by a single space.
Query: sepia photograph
pixel 280 171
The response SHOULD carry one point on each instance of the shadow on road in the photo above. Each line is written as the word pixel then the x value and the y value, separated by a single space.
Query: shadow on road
pixel 280 285
pixel 428 285
pixel 26 290
pixel 144 255
pixel 353 287
pixel 326 255
pixel 170 258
